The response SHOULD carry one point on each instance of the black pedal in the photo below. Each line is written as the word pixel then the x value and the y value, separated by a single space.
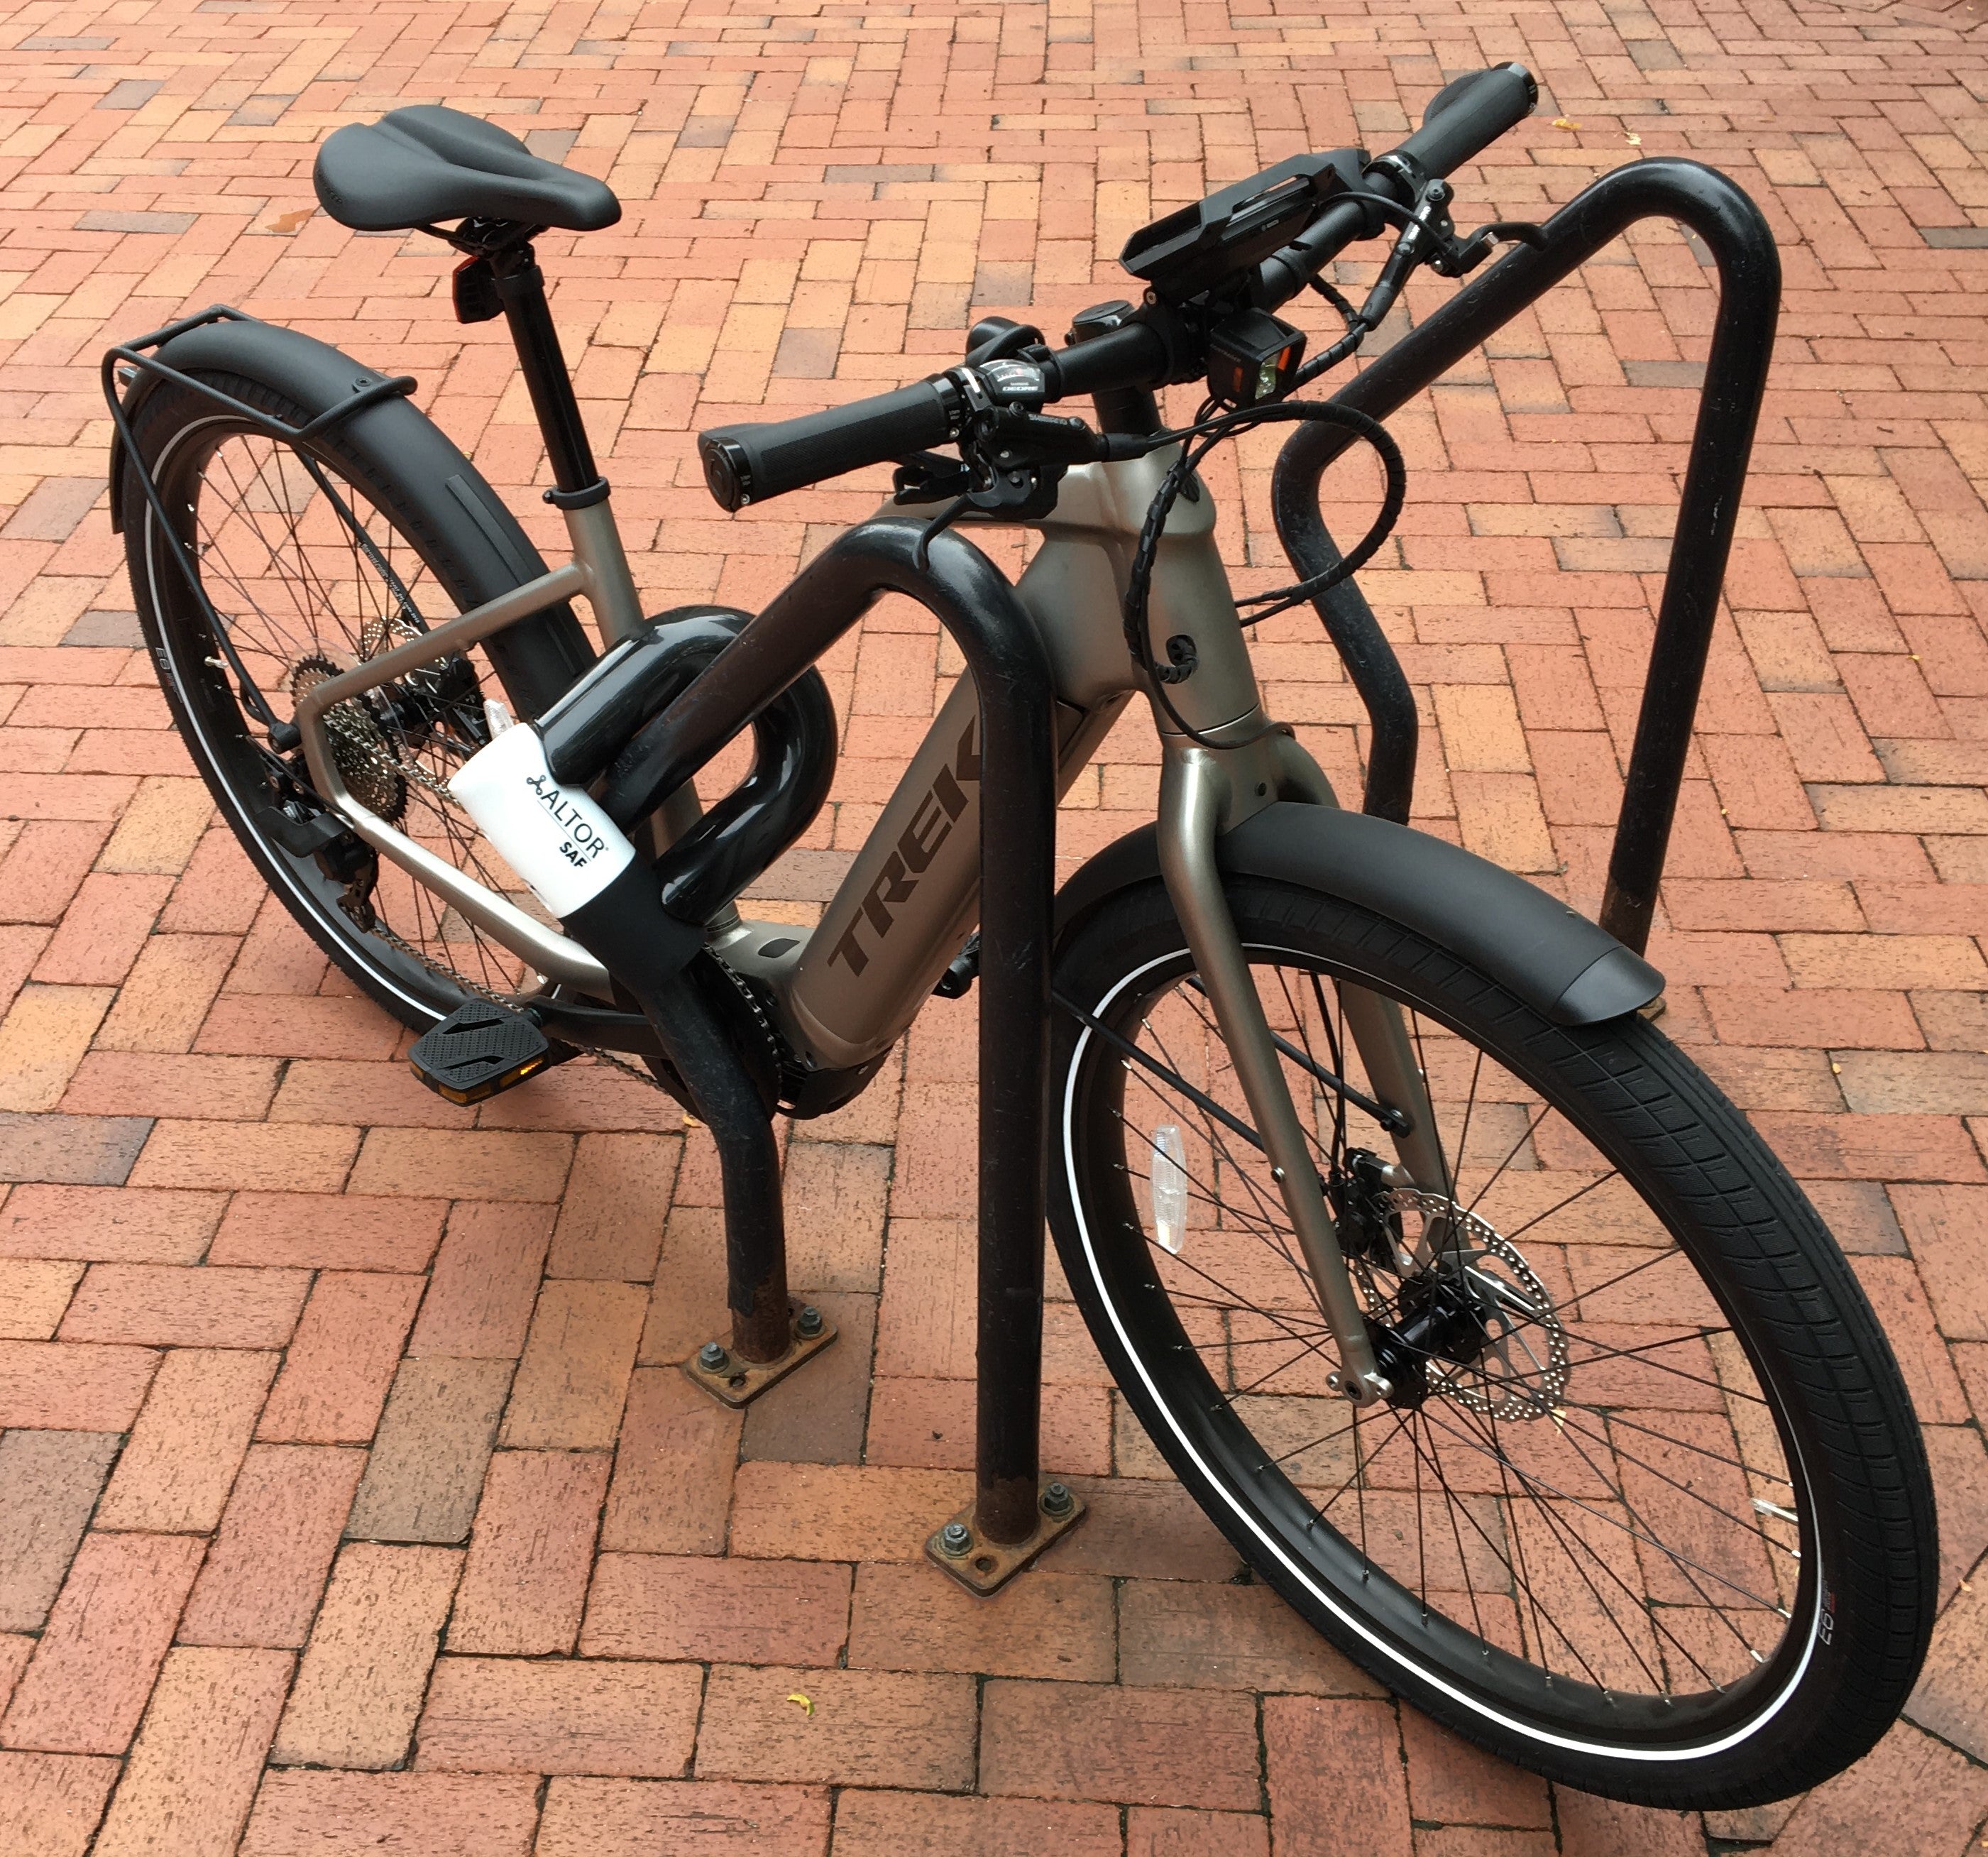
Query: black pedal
pixel 482 1050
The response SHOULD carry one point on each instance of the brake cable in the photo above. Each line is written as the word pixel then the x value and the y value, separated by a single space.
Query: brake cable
pixel 1217 431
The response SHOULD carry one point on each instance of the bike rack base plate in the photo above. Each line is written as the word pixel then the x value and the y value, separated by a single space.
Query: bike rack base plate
pixel 739 1382
pixel 984 1566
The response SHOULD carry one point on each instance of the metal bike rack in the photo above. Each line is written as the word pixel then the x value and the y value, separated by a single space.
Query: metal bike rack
pixel 1013 1516
pixel 1735 377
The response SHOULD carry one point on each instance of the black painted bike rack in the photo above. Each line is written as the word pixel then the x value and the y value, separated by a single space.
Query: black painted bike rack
pixel 1735 377
pixel 978 606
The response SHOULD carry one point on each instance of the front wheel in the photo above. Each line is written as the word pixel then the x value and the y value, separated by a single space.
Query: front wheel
pixel 1647 1510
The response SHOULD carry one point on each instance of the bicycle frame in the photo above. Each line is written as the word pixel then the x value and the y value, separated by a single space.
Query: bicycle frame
pixel 844 992
pixel 969 831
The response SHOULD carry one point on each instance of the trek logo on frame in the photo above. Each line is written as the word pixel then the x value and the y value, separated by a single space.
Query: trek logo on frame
pixel 931 824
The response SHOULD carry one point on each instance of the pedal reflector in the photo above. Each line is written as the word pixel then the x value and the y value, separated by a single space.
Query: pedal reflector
pixel 480 1049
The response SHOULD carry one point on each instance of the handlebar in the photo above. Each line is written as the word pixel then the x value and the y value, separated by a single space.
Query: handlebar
pixel 748 463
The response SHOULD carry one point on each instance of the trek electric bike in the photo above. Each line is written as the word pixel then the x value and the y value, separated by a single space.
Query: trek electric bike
pixel 1482 1325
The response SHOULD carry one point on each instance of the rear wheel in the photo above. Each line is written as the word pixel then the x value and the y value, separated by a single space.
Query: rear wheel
pixel 314 560
pixel 1647 1510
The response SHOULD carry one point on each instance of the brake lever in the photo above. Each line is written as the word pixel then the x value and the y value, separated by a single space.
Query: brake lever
pixel 926 476
pixel 1431 239
pixel 1011 462
pixel 1461 257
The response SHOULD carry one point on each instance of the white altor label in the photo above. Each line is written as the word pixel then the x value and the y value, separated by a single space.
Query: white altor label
pixel 555 837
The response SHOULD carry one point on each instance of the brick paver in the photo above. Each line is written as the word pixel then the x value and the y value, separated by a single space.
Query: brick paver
pixel 350 1498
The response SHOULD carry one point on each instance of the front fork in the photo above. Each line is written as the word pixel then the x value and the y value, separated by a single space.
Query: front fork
pixel 1199 793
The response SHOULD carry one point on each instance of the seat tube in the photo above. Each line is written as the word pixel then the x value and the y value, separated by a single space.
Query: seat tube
pixel 579 493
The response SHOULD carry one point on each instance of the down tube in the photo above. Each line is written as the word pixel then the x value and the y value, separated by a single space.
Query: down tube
pixel 913 894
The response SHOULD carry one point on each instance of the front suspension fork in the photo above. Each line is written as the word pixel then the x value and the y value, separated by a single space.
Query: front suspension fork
pixel 1195 805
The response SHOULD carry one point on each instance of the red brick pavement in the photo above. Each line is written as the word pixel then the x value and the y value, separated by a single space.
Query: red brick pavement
pixel 348 1498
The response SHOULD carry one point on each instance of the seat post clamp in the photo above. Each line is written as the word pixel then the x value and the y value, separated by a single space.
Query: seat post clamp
pixel 584 498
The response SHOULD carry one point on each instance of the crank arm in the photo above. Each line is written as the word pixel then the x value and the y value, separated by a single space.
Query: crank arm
pixel 1193 795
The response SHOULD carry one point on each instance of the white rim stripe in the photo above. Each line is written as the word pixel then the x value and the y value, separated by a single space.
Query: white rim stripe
pixel 1388 1649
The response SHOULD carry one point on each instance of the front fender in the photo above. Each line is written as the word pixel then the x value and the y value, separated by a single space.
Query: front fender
pixel 1551 956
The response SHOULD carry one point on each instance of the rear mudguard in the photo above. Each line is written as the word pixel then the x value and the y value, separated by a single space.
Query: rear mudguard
pixel 396 442
pixel 1552 957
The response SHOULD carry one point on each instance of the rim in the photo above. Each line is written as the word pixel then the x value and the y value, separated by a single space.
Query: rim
pixel 1609 1533
pixel 310 577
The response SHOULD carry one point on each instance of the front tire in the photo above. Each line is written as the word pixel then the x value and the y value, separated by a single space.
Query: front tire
pixel 1649 1513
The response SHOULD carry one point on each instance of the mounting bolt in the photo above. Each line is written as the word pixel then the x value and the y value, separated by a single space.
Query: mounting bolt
pixel 1333 1382
pixel 712 1357
pixel 1057 1501
pixel 807 1324
pixel 954 1539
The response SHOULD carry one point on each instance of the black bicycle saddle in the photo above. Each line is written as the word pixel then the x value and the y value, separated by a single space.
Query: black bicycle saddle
pixel 425 163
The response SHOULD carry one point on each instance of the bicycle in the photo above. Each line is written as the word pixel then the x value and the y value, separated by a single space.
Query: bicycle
pixel 1488 1332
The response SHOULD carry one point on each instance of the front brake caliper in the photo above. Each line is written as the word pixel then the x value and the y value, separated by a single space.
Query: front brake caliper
pixel 1369 1225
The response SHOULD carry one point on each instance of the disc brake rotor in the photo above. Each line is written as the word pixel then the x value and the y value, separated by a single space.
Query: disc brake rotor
pixel 360 749
pixel 383 633
pixel 1519 1373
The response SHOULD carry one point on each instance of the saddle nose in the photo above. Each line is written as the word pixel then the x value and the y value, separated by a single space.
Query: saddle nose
pixel 424 163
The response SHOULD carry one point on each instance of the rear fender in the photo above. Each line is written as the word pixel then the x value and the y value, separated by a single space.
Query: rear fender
pixel 537 658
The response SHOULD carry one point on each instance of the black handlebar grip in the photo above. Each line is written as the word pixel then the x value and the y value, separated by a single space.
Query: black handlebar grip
pixel 1465 117
pixel 747 464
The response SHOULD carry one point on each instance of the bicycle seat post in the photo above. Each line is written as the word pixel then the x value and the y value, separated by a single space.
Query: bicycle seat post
pixel 579 493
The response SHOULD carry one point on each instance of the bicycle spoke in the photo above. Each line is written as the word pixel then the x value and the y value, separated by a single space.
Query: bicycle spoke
pixel 1621 1562
pixel 1682 1559
pixel 1683 1563
pixel 300 565
pixel 1532 1128
pixel 1579 1192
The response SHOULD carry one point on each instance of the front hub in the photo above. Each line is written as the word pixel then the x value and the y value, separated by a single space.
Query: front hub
pixel 1456 1311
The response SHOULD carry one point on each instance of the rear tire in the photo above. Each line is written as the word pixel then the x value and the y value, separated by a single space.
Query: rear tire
pixel 1696 1504
pixel 301 598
